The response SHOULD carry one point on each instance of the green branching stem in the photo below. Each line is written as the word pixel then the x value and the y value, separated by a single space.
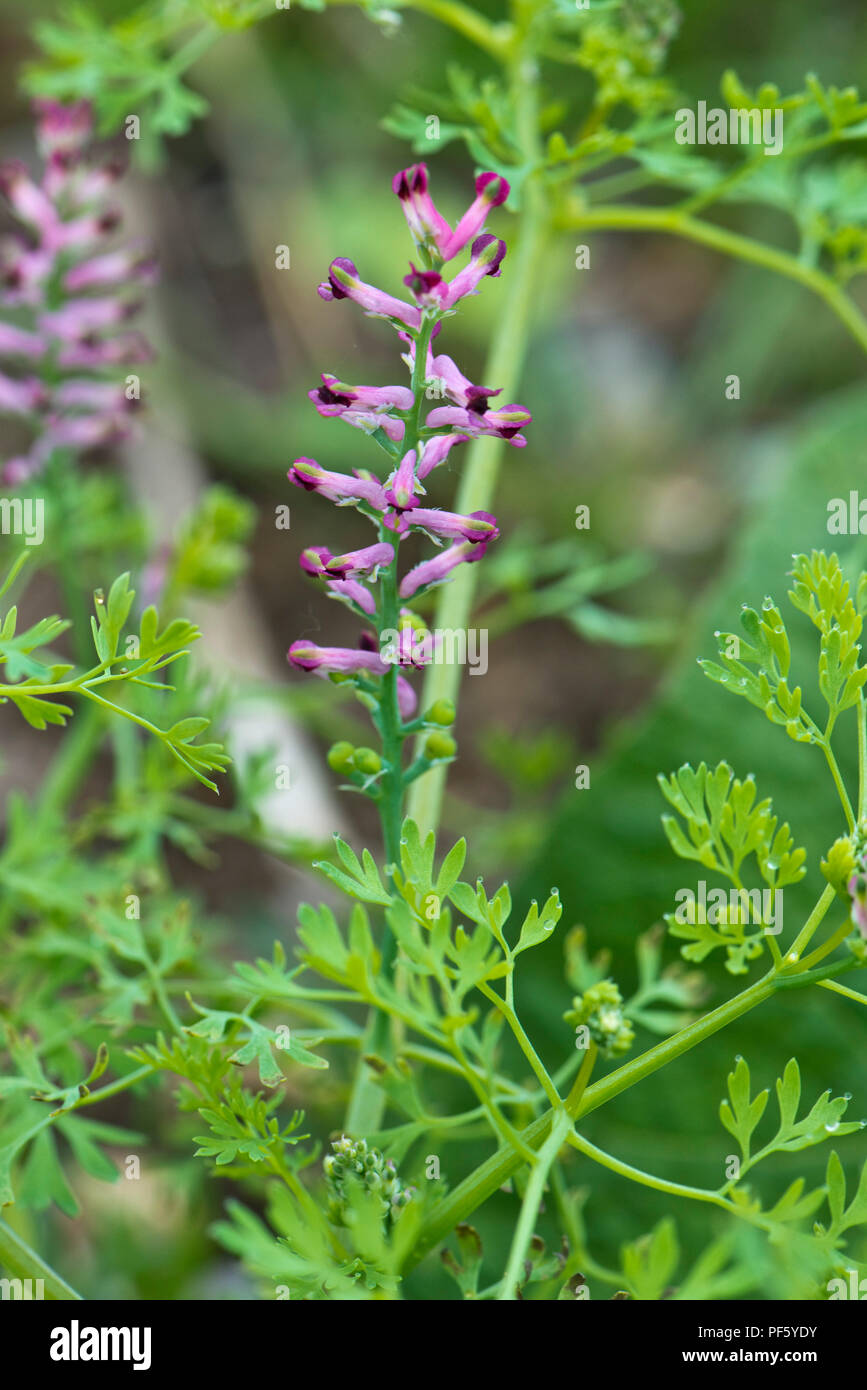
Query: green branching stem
pixel 672 220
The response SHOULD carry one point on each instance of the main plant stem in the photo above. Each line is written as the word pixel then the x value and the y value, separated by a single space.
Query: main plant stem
pixel 367 1099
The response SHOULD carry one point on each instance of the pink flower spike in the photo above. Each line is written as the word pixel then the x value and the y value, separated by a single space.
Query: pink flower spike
pixel 343 283
pixel 354 593
pixel 400 487
pixel 360 563
pixel 307 656
pixel 487 256
pixel 436 450
pixel 430 231
pixel 478 526
pixel 437 570
pixel 491 191
pixel 342 488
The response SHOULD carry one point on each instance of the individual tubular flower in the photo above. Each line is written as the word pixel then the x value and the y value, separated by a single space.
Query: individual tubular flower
pixel 478 526
pixel 343 488
pixel 71 293
pixel 491 191
pixel 505 423
pixel 366 407
pixel 438 570
pixel 344 283
pixel 342 661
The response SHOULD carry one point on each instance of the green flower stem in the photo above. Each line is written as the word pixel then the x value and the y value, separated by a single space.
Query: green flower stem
pixel 613 217
pixel 496 1170
pixel 367 1099
pixel 862 756
pixel 24 1263
pixel 479 474
pixel 811 926
pixel 838 777
pixel 546 1156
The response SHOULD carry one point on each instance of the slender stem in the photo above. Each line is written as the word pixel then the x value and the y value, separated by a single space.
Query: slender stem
pixel 812 924
pixel 613 217
pixel 24 1263
pixel 531 1203
pixel 862 756
pixel 844 990
pixel 675 1189
pixel 524 1043
pixel 838 779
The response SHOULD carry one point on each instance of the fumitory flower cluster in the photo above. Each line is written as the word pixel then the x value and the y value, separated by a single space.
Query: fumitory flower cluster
pixel 65 296
pixel 395 641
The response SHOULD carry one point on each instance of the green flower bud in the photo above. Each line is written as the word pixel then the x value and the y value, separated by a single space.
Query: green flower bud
pixel 440 746
pixel 340 756
pixel 441 712
pixel 367 761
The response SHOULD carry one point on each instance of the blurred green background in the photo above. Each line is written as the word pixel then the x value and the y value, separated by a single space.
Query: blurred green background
pixel 625 379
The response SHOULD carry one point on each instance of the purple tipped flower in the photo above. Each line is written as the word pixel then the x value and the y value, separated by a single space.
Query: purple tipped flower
pixel 505 423
pixel 345 489
pixel 857 888
pixel 366 407
pixel 430 231
pixel 436 451
pixel 477 527
pixel 438 570
pixel 357 564
pixel 324 661
pixel 487 257
pixel 491 191
pixel 343 283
